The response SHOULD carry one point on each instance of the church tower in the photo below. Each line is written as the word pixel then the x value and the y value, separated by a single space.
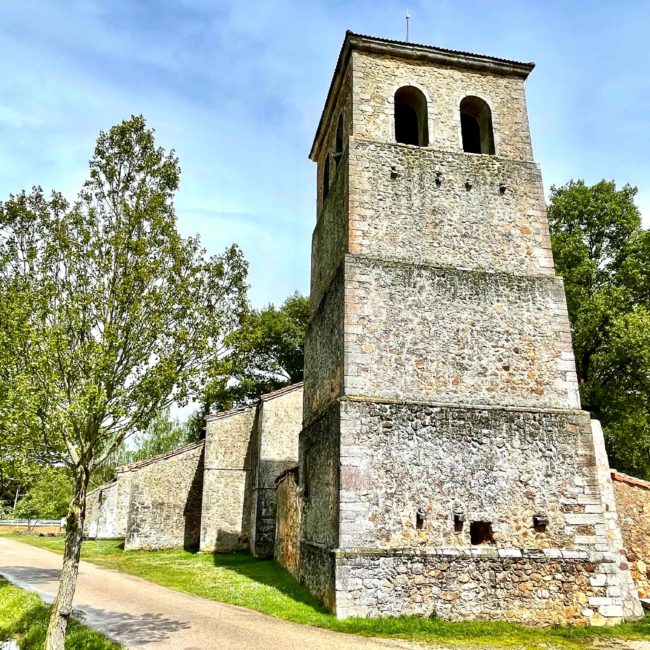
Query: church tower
pixel 446 466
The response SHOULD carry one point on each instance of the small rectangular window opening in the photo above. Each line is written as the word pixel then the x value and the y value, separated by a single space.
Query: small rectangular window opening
pixel 481 532
pixel 419 520
pixel 459 519
pixel 540 522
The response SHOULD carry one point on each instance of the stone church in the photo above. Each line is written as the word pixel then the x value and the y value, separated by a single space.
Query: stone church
pixel 436 461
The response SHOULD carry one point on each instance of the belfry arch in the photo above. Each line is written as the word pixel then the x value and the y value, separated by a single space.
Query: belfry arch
pixel 476 126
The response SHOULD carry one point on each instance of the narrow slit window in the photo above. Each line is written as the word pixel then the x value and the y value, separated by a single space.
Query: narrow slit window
pixel 326 177
pixel 411 120
pixel 338 148
pixel 476 126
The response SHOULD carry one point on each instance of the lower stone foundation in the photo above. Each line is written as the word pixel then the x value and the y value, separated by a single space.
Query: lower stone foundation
pixel 534 587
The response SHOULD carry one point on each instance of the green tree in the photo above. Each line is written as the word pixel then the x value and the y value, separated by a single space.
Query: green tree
pixel 113 316
pixel 48 497
pixel 266 352
pixel 161 435
pixel 603 253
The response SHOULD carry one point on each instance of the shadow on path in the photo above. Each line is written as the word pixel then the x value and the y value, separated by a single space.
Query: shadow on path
pixel 129 628
pixel 30 575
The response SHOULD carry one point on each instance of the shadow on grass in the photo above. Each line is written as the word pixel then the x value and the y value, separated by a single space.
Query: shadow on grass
pixel 269 573
pixel 486 634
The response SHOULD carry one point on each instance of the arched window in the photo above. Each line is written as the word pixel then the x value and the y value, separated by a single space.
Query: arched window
pixel 476 126
pixel 411 126
pixel 338 147
pixel 326 177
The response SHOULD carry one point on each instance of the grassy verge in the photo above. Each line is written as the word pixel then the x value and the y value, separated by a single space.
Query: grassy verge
pixel 262 585
pixel 24 617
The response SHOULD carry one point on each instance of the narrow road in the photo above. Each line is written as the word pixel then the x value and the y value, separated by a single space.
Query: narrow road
pixel 138 614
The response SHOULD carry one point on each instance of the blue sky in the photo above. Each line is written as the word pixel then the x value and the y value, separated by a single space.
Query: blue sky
pixel 237 89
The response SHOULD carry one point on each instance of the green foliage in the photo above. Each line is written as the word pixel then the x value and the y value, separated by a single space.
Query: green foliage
pixel 162 434
pixel 261 585
pixel 113 314
pixel 266 352
pixel 268 347
pixel 23 617
pixel 603 253
pixel 48 497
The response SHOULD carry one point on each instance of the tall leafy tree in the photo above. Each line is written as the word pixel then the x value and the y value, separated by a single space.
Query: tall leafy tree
pixel 49 495
pixel 265 352
pixel 113 315
pixel 162 434
pixel 603 252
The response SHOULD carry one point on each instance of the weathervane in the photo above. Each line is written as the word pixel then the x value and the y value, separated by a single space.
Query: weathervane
pixel 408 17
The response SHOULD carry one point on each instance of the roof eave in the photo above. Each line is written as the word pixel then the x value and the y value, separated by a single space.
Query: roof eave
pixel 414 51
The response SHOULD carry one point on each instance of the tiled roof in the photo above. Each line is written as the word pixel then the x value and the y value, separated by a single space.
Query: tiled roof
pixel 630 480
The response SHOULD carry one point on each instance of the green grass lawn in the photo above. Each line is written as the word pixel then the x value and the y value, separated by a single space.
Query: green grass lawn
pixel 262 585
pixel 24 617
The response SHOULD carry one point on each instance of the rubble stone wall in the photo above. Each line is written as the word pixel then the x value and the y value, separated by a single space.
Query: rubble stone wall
pixel 405 201
pixel 107 508
pixel 454 336
pixel 633 505
pixel 502 466
pixel 165 504
pixel 535 587
pixel 287 530
pixel 279 421
pixel 227 485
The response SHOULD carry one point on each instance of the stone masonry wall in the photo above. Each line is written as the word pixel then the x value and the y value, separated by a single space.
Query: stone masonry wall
pixel 534 587
pixel 405 202
pixel 633 504
pixel 287 530
pixel 98 502
pixel 107 508
pixel 319 467
pixel 376 78
pixel 330 236
pixel 165 505
pixel 279 421
pixel 227 485
pixel 444 335
pixel 324 351
pixel 503 466
pixel 343 109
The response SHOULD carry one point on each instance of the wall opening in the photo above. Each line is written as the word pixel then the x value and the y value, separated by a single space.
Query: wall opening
pixel 476 126
pixel 411 120
pixel 481 532
pixel 326 177
pixel 338 146
pixel 540 523
pixel 459 519
pixel 419 520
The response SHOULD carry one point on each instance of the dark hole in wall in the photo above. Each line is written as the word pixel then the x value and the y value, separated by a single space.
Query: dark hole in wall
pixel 338 146
pixel 540 522
pixel 419 520
pixel 458 523
pixel 481 532
pixel 406 125
pixel 476 126
pixel 411 122
pixel 471 133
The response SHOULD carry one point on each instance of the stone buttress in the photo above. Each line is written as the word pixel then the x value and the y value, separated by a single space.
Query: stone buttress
pixel 445 464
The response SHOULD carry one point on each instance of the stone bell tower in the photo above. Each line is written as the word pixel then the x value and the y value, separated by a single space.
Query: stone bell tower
pixel 446 465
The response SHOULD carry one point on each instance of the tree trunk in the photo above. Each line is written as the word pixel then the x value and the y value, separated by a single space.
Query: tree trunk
pixel 62 608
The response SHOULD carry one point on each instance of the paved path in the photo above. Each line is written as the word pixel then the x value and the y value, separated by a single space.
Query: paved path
pixel 140 614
